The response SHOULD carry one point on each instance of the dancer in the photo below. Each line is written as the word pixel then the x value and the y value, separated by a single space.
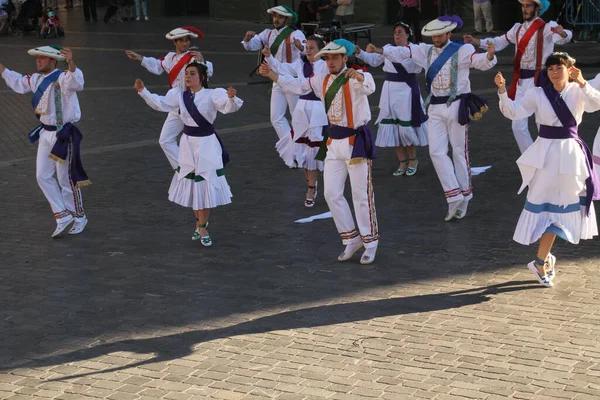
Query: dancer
pixel 557 168
pixel 534 41
pixel 56 105
pixel 308 119
pixel 595 83
pixel 286 44
pixel 401 119
pixel 174 64
pixel 199 182
pixel 450 103
pixel 348 148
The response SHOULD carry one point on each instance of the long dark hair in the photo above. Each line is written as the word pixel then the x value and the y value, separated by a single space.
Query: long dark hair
pixel 202 71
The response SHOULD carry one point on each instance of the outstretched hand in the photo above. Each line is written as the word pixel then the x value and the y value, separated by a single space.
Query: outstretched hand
pixel 132 55
pixel 500 82
pixel 576 76
pixel 67 54
pixel 231 92
pixel 2 68
pixel 491 49
pixel 264 69
pixel 139 85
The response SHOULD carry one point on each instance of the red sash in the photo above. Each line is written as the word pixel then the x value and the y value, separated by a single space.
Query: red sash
pixel 536 26
pixel 185 60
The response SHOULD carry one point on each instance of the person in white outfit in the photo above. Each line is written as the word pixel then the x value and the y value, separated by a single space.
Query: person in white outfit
pixel 56 105
pixel 286 45
pixel 595 83
pixel 199 181
pixel 309 117
pixel 450 103
pixel 534 41
pixel 174 64
pixel 557 167
pixel 401 118
pixel 347 148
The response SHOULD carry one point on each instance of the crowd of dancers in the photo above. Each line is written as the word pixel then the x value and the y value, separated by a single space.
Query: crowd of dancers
pixel 329 130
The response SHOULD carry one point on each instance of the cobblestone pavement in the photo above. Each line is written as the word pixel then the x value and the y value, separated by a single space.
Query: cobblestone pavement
pixel 132 309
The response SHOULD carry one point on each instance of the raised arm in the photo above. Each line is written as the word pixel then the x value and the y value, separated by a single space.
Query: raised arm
pixel 153 65
pixel 289 84
pixel 17 82
pixel 361 83
pixel 515 110
pixel 72 81
pixel 372 59
pixel 480 61
pixel 279 67
pixel 253 42
pixel 501 42
pixel 589 95
pixel 416 52
pixel 167 103
pixel 226 101
pixel 558 33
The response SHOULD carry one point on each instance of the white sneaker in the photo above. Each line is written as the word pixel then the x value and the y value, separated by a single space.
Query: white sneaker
pixel 62 225
pixel 349 251
pixel 543 279
pixel 146 18
pixel 137 18
pixel 368 256
pixel 78 226
pixel 461 212
pixel 551 260
pixel 452 207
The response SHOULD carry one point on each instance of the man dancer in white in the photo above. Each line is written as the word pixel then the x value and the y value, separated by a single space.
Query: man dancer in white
pixel 57 107
pixel 534 41
pixel 348 146
pixel 286 45
pixel 174 64
pixel 447 67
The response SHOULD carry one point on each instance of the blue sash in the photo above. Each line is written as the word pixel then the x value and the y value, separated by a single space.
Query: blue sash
pixel 49 80
pixel 203 124
pixel 439 62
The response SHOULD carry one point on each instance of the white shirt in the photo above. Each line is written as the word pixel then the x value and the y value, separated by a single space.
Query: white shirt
pixel 268 36
pixel 157 66
pixel 529 55
pixel 375 60
pixel 70 83
pixel 535 101
pixel 296 68
pixel 467 58
pixel 208 102
pixel 337 114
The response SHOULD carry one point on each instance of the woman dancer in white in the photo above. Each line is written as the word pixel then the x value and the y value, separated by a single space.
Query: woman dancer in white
pixel 401 118
pixel 199 182
pixel 308 119
pixel 557 168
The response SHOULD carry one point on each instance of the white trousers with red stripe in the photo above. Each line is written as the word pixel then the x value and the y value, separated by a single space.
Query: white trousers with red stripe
pixel 279 105
pixel 336 171
pixel 171 129
pixel 64 198
pixel 454 174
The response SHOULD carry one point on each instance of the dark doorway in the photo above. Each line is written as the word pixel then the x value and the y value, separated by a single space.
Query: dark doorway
pixel 198 7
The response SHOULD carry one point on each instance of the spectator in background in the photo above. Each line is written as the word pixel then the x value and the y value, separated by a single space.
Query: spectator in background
pixel 144 9
pixel 345 11
pixel 326 10
pixel 69 4
pixel 483 8
pixel 411 15
pixel 89 9
pixel 306 12
pixel 445 7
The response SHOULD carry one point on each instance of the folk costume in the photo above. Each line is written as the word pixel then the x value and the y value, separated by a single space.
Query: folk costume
pixel 56 105
pixel 281 44
pixel 174 65
pixel 347 150
pixel 534 41
pixel 557 168
pixel 451 106
pixel 199 181
pixel 595 83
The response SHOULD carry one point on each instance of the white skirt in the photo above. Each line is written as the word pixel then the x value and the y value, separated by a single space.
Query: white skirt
pixel 555 172
pixel 395 113
pixel 200 182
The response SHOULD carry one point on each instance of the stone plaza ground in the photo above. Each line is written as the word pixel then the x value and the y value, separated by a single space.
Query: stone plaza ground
pixel 133 309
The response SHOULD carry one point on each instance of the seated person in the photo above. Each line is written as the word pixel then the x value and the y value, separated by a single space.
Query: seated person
pixel 50 24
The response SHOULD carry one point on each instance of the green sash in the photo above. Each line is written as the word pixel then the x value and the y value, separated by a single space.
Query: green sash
pixel 287 31
pixel 329 96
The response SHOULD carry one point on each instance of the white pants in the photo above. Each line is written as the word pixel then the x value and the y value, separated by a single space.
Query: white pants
pixel 279 104
pixel 520 127
pixel 64 197
pixel 484 9
pixel 171 129
pixel 455 173
pixel 337 168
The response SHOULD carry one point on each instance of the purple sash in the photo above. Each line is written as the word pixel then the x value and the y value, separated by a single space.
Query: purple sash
pixel 68 140
pixel 204 128
pixel 470 104
pixel 364 147
pixel 568 130
pixel 530 73
pixel 417 116
pixel 309 70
